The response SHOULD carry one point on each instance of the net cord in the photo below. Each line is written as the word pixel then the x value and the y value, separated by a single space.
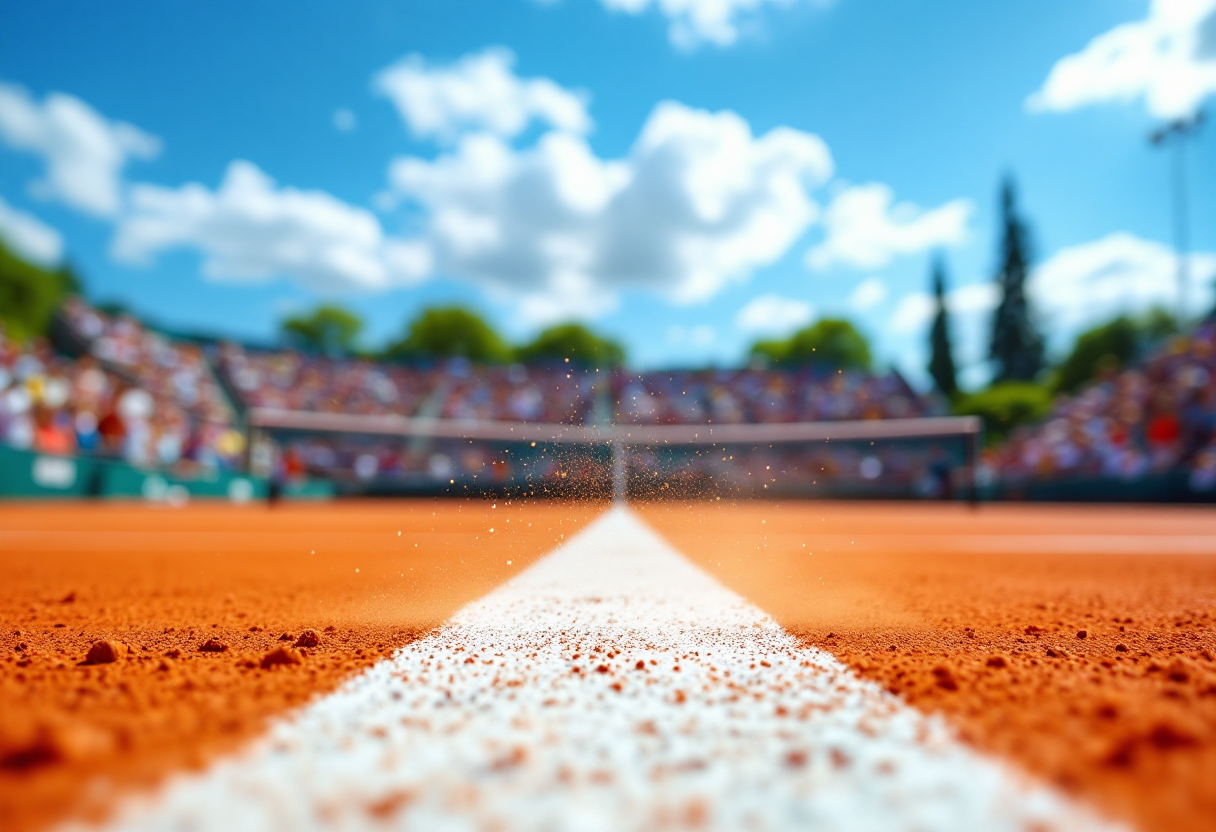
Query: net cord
pixel 702 434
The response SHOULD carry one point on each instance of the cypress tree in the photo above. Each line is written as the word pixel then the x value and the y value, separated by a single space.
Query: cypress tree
pixel 941 355
pixel 1017 346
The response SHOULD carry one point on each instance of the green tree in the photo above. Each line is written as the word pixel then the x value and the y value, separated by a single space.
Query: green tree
pixel 830 342
pixel 772 351
pixel 450 331
pixel 329 330
pixel 1006 405
pixel 941 359
pixel 1017 346
pixel 576 342
pixel 1157 323
pixel 1110 345
pixel 30 294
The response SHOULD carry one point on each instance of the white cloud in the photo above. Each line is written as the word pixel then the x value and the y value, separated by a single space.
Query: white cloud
pixel 251 229
pixel 571 297
pixel 84 151
pixel 1168 60
pixel 1076 288
pixel 774 315
pixel 29 236
pixel 478 92
pixel 1090 283
pixel 865 230
pixel 916 309
pixel 868 294
pixel 693 22
pixel 975 297
pixel 912 314
pixel 345 121
pixel 698 202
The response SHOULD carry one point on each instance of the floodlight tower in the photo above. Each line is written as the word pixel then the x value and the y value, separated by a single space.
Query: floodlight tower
pixel 1176 133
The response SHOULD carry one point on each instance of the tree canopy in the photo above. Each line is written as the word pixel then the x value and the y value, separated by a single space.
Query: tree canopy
pixel 30 294
pixel 329 329
pixel 1111 346
pixel 575 342
pixel 449 332
pixel 829 342
pixel 941 358
pixel 1017 346
pixel 1006 405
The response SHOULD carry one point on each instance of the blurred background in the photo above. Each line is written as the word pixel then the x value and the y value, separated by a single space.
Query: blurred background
pixel 308 250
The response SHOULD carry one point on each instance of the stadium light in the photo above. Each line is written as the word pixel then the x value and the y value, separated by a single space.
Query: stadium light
pixel 1176 132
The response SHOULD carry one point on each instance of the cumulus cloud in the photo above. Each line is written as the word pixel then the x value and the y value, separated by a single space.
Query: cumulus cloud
pixel 693 22
pixel 912 314
pixel 866 230
pixel 1086 284
pixel 916 309
pixel 478 92
pixel 252 229
pixel 774 315
pixel 868 294
pixel 84 152
pixel 29 237
pixel 1076 288
pixel 698 202
pixel 1167 59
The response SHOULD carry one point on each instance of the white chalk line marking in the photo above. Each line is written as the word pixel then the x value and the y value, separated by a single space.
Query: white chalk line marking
pixel 487 725
pixel 1016 544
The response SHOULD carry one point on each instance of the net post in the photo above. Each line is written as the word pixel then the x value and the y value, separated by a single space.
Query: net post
pixel 975 440
pixel 619 484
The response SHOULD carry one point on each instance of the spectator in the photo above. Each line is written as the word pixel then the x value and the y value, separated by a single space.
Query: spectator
pixel 1158 416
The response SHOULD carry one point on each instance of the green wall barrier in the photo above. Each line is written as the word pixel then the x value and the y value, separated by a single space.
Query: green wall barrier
pixel 30 475
pixel 25 474
pixel 309 490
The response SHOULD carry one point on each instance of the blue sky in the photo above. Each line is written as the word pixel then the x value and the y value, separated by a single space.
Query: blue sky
pixel 686 182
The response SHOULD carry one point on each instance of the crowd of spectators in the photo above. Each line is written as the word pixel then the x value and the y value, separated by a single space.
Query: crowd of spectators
pixel 757 396
pixel 1155 417
pixel 429 462
pixel 920 468
pixel 454 389
pixel 154 400
pixel 449 389
pixel 170 369
pixel 58 405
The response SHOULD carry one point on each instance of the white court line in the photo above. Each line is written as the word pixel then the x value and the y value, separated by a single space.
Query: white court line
pixel 503 720
pixel 1023 544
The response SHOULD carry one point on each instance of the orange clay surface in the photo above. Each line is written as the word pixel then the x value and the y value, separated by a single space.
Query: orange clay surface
pixel 940 604
pixel 1092 670
pixel 193 601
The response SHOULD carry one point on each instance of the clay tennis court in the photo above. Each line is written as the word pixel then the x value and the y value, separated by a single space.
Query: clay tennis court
pixel 1074 645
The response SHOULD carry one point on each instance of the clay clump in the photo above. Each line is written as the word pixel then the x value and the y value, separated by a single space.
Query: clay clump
pixel 105 652
pixel 308 638
pixel 280 657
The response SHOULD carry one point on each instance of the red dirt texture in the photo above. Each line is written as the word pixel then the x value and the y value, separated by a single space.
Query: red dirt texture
pixel 1092 670
pixel 135 641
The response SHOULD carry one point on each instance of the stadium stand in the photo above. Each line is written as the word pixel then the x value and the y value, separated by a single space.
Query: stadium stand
pixel 1155 418
pixel 754 396
pixel 166 368
pixel 54 404
pixel 451 389
pixel 156 401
